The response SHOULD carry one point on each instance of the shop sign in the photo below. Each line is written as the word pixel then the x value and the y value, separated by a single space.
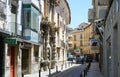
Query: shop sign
pixel 26 45
pixel 10 41
pixel 94 44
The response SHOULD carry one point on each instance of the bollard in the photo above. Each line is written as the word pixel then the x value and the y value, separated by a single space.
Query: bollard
pixel 39 73
pixel 62 67
pixel 80 75
pixel 65 65
pixel 88 66
pixel 69 64
pixel 57 68
pixel 22 75
pixel 85 72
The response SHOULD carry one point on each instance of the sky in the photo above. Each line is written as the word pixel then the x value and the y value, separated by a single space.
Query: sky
pixel 79 11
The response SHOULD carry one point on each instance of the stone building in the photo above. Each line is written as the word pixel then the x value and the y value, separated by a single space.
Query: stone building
pixel 79 39
pixel 24 41
pixel 106 23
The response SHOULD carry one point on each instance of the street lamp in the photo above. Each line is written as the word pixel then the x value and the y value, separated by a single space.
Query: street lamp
pixel 39 66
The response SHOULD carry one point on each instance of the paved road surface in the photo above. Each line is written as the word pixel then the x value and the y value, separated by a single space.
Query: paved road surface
pixel 72 72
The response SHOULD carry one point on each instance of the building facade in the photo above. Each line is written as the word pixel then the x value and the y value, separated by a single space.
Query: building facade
pixel 111 40
pixel 25 43
pixel 75 41
pixel 107 27
pixel 87 37
pixel 4 32
pixel 63 17
pixel 56 15
pixel 79 39
pixel 21 44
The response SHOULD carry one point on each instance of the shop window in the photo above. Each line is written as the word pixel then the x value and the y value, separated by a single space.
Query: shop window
pixel 36 53
pixel 36 56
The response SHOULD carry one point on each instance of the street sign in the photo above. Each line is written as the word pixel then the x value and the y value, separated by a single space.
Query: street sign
pixel 10 41
pixel 94 44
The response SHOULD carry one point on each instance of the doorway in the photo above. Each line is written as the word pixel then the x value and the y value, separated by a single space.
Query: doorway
pixel 25 61
pixel 12 61
pixel 115 51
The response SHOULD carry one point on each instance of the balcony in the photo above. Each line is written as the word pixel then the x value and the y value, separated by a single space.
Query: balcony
pixel 2 10
pixel 3 29
pixel 35 3
pixel 58 44
pixel 90 15
pixel 70 36
pixel 31 35
pixel 2 24
pixel 15 29
pixel 69 42
pixel 103 2
pixel 14 2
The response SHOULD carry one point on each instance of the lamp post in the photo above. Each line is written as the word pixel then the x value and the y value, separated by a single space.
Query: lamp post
pixel 40 70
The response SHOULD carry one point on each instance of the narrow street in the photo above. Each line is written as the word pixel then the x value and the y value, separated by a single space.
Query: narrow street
pixel 59 38
pixel 72 72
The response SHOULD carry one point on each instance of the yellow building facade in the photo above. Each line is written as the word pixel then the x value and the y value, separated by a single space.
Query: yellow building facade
pixel 87 33
pixel 80 39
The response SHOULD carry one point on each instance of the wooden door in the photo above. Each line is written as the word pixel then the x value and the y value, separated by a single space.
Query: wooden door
pixel 12 61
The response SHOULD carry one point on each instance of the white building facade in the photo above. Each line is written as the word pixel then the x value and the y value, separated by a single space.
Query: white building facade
pixel 22 45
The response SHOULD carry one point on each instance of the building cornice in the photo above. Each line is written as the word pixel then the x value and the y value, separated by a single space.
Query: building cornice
pixel 109 6
pixel 69 11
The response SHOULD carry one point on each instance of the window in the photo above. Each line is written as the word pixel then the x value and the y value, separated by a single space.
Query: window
pixel 70 45
pixel 81 43
pixel 31 17
pixel 27 16
pixel 34 19
pixel 75 46
pixel 58 19
pixel 74 37
pixel 81 36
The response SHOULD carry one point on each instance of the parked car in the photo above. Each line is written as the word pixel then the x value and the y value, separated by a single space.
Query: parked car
pixel 88 58
pixel 70 58
pixel 80 59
